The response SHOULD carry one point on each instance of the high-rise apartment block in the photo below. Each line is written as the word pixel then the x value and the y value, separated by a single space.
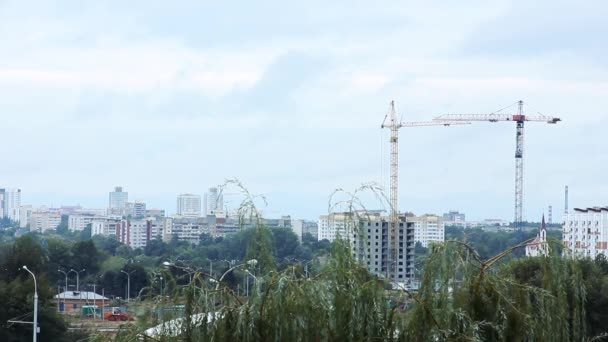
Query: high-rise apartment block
pixel 118 201
pixel 10 202
pixel 585 231
pixel 427 229
pixel 368 235
pixel 189 205
pixel 214 201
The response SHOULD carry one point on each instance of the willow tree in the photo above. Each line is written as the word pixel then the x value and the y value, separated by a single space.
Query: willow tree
pixel 462 297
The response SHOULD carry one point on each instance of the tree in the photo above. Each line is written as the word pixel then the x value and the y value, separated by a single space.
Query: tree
pixel 85 255
pixel 285 242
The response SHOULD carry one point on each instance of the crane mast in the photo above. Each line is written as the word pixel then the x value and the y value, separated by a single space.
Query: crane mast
pixel 394 125
pixel 519 119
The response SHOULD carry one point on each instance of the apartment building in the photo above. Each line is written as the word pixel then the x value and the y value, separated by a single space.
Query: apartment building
pixel 44 219
pixel 369 237
pixel 585 231
pixel 427 229
pixel 10 202
pixel 189 205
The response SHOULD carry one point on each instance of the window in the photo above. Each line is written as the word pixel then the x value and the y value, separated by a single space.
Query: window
pixel 74 306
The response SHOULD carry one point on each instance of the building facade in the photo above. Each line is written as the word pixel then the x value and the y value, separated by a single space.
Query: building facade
pixel 369 237
pixel 585 231
pixel 538 246
pixel 139 209
pixel 42 220
pixel 427 229
pixel 10 202
pixel 189 205
pixel 454 216
pixel 118 201
pixel 214 201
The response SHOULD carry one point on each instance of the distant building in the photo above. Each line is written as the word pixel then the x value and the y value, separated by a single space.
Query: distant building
pixel 189 205
pixel 371 246
pixel 79 222
pixel 118 201
pixel 155 213
pixel 301 227
pixel 335 224
pixel 585 231
pixel 214 201
pixel 138 232
pixel 25 213
pixel 139 209
pixel 10 202
pixel 538 246
pixel 427 229
pixel 188 229
pixel 368 234
pixel 72 301
pixel 42 220
pixel 454 216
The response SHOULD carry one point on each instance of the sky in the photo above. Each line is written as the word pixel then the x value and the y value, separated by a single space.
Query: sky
pixel 174 97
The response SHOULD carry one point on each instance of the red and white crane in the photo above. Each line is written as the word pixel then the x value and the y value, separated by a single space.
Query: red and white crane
pixel 519 118
pixel 394 125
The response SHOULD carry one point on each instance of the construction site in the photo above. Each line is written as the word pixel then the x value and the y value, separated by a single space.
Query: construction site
pixel 386 244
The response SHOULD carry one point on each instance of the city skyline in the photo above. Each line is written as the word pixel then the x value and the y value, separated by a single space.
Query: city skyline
pixel 296 113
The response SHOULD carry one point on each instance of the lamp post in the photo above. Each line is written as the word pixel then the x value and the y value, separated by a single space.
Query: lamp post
pixel 66 285
pixel 128 284
pixel 78 277
pixel 251 262
pixel 306 267
pixel 35 335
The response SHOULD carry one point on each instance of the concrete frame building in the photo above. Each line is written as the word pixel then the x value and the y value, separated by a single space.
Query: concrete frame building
pixel 368 235
pixel 585 232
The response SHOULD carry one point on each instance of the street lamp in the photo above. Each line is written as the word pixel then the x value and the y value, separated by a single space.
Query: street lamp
pixel 66 285
pixel 35 304
pixel 128 284
pixel 251 262
pixel 78 277
pixel 306 267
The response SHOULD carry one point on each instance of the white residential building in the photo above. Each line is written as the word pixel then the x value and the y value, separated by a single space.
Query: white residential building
pixel 189 205
pixel 335 224
pixel 44 219
pixel 25 214
pixel 78 222
pixel 585 231
pixel 427 229
pixel 10 202
pixel 214 201
pixel 301 227
pixel 187 229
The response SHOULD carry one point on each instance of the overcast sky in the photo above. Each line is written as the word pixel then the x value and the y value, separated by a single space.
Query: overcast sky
pixel 171 97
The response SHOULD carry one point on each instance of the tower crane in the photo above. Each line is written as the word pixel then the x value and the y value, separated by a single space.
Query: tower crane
pixel 519 118
pixel 394 125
